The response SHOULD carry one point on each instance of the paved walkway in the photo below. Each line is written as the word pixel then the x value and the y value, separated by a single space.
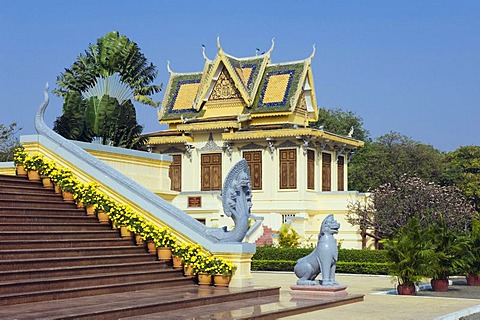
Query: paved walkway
pixel 380 305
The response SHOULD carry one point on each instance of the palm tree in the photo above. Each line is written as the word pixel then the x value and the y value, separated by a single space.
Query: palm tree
pixel 105 78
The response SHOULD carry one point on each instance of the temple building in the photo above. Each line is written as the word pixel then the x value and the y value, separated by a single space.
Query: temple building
pixel 261 111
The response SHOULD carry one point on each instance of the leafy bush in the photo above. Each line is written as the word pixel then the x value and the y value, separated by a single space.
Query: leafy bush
pixel 293 254
pixel 349 260
pixel 342 267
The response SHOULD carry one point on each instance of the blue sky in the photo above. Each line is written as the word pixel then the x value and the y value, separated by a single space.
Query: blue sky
pixel 406 66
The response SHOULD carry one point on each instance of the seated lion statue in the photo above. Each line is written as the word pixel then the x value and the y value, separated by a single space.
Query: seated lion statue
pixel 323 259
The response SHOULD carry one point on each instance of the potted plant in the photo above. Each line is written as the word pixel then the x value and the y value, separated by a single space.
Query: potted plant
pixel 189 257
pixel 446 260
pixel 471 254
pixel 33 164
pixel 408 254
pixel 223 272
pixel 204 267
pixel 19 159
pixel 164 241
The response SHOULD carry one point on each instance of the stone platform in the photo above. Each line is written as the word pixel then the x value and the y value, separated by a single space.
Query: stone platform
pixel 318 290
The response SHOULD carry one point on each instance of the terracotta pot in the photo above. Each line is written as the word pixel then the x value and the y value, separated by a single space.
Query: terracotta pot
pixel 57 189
pixel 102 217
pixel 47 183
pixel 473 279
pixel 151 247
pixel 406 290
pixel 221 280
pixel 80 205
pixel 188 271
pixel 204 279
pixel 139 240
pixel 90 210
pixel 440 285
pixel 124 232
pixel 177 262
pixel 33 175
pixel 164 253
pixel 21 170
pixel 67 196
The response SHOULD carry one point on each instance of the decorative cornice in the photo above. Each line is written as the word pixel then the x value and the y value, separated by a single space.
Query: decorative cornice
pixel 205 126
pixel 173 150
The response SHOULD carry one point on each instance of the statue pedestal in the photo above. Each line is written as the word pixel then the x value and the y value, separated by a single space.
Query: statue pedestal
pixel 318 290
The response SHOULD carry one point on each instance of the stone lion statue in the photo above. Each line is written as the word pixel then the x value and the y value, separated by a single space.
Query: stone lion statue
pixel 323 259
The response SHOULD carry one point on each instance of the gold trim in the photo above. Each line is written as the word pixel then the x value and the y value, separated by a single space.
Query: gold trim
pixel 208 126
pixel 279 133
pixel 165 140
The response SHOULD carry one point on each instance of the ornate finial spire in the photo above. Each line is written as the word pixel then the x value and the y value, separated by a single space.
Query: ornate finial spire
pixel 273 45
pixel 204 55
pixel 168 67
pixel 218 43
pixel 313 52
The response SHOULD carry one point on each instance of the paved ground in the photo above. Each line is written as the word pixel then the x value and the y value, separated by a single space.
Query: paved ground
pixel 459 301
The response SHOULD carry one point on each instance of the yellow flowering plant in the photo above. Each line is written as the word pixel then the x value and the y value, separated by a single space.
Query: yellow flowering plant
pixel 164 238
pixel 19 156
pixel 223 267
pixel 33 162
pixel 47 167
pixel 189 255
pixel 87 193
pixel 204 263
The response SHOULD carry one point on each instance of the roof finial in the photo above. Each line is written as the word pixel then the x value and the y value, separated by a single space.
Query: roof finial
pixel 273 45
pixel 218 43
pixel 168 67
pixel 203 52
pixel 313 53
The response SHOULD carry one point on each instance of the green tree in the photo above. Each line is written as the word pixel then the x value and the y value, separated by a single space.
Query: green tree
pixel 8 141
pixel 463 171
pixel 341 122
pixel 98 85
pixel 391 156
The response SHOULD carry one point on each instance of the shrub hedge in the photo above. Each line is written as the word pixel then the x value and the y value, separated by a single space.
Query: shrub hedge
pixel 349 260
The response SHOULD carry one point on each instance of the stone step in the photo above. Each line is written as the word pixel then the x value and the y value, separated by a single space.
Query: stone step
pixel 68 252
pixel 8 210
pixel 31 196
pixel 58 235
pixel 134 304
pixel 78 226
pixel 265 307
pixel 61 271
pixel 85 281
pixel 27 264
pixel 33 204
pixel 63 243
pixel 100 289
pixel 46 218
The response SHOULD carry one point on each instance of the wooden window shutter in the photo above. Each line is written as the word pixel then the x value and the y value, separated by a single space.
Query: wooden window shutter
pixel 254 161
pixel 310 169
pixel 340 173
pixel 211 171
pixel 175 173
pixel 288 169
pixel 326 172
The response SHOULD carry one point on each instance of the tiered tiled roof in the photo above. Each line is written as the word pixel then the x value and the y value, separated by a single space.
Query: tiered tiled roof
pixel 251 86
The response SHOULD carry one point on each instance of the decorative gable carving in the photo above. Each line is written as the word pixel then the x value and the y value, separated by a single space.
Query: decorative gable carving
pixel 224 88
pixel 252 146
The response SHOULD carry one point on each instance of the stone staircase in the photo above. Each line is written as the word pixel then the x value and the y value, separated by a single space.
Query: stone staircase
pixel 56 262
